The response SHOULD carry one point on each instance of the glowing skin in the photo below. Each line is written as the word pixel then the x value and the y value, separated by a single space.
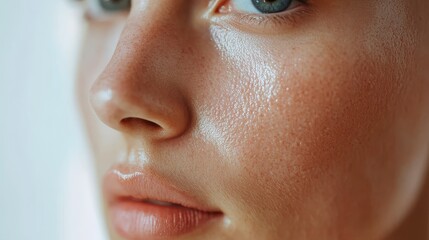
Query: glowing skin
pixel 310 126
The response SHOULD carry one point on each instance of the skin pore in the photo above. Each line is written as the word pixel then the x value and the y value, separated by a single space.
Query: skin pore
pixel 313 124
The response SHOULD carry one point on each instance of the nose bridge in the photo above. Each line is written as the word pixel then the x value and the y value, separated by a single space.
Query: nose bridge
pixel 138 90
pixel 151 39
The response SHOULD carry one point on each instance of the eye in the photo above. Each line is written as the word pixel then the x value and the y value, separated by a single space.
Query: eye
pixel 263 16
pixel 106 10
pixel 264 6
pixel 115 5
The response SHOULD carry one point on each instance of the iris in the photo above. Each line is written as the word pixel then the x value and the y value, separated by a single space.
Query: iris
pixel 271 6
pixel 115 5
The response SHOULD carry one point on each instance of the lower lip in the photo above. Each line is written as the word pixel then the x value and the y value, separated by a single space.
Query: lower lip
pixel 140 220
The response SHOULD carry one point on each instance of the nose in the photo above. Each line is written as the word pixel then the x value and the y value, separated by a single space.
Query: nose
pixel 139 91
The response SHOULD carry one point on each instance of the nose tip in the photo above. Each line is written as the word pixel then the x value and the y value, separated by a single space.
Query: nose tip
pixel 153 117
pixel 141 90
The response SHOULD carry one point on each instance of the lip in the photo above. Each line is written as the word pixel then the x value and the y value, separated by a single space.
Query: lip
pixel 131 194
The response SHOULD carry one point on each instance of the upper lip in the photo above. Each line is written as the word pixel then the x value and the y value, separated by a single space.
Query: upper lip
pixel 126 182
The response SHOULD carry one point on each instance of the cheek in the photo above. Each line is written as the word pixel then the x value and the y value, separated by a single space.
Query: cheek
pixel 315 137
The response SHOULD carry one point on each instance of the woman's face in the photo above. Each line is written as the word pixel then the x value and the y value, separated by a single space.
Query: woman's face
pixel 311 122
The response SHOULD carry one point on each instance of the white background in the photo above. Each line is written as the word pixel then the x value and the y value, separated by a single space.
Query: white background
pixel 46 190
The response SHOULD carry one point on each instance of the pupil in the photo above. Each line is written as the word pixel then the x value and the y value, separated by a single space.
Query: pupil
pixel 271 6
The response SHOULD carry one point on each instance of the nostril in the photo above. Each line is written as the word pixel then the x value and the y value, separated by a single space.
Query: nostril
pixel 139 123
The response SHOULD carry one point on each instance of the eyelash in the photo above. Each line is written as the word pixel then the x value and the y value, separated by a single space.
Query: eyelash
pixel 289 17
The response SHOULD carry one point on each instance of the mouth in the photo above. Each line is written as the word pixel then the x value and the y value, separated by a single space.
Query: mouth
pixel 142 205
